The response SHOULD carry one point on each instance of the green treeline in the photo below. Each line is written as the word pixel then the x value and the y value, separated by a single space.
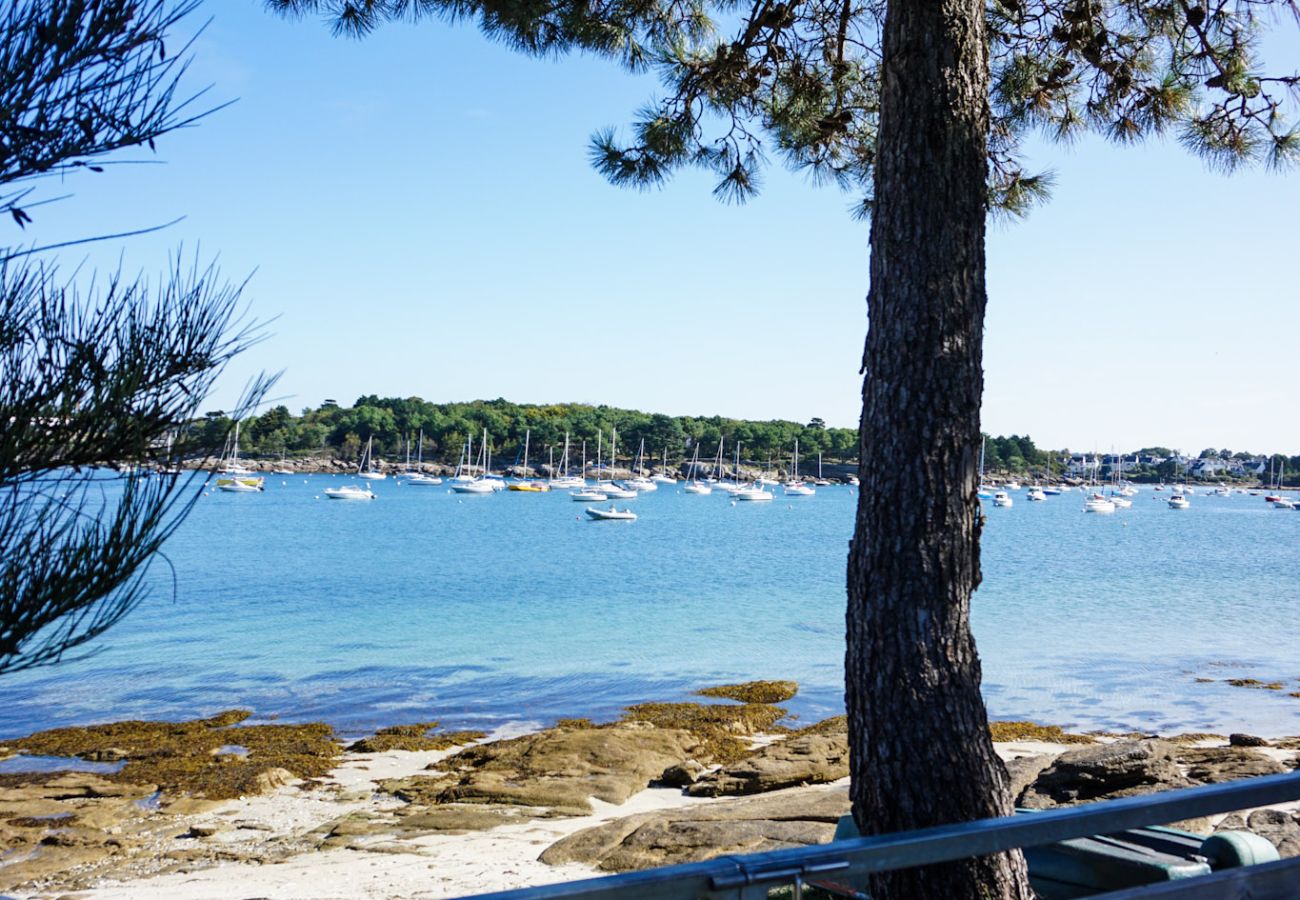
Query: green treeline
pixel 343 431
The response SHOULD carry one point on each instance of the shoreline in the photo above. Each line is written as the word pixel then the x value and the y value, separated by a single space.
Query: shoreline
pixel 416 812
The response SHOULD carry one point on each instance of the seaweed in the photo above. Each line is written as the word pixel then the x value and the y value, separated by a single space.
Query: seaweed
pixel 718 727
pixel 833 725
pixel 183 757
pixel 414 737
pixel 1256 684
pixel 1195 737
pixel 753 691
pixel 1032 731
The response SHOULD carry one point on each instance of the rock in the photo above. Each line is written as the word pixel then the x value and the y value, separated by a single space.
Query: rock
pixel 682 774
pixel 1246 740
pixel 1102 771
pixel 207 829
pixel 556 770
pixel 1278 827
pixel 1023 770
pixel 273 778
pixel 1212 765
pixel 793 818
pixel 801 759
pixel 457 819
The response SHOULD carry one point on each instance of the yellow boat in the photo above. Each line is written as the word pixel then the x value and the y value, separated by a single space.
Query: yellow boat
pixel 532 487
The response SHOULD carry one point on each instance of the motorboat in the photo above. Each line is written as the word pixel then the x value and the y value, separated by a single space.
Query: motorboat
pixel 641 484
pixel 1098 504
pixel 853 480
pixel 419 478
pixel 984 493
pixel 1283 503
pixel 529 487
pixel 1121 502
pixel 697 487
pixel 753 493
pixel 589 495
pixel 350 492
pixel 1002 498
pixel 1036 493
pixel 663 479
pixel 1013 485
pixel 1051 491
pixel 798 489
pixel 565 482
pixel 241 485
pixel 611 514
pixel 1178 501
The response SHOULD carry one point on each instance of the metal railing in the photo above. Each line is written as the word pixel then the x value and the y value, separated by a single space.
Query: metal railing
pixel 751 877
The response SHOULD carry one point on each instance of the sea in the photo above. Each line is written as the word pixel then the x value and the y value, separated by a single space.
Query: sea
pixel 511 610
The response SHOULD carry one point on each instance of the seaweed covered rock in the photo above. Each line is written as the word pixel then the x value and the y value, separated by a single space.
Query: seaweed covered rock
pixel 214 757
pixel 803 758
pixel 556 771
pixel 721 728
pixel 415 737
pixel 753 691
pixel 749 825
pixel 1121 769
pixel 1006 732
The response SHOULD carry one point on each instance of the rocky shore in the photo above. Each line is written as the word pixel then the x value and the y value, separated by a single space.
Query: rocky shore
pixel 218 807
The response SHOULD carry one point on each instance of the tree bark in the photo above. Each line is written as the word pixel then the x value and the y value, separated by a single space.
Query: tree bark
pixel 921 753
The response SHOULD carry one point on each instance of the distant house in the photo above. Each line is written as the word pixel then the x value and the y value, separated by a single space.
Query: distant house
pixel 1210 467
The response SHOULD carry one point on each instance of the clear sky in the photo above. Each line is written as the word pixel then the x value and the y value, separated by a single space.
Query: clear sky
pixel 422 220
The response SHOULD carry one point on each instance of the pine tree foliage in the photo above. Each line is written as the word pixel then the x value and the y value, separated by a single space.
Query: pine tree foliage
pixel 92 372
pixel 800 80
pixel 80 79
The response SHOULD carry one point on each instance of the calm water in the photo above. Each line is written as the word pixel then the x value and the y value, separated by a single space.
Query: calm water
pixel 514 608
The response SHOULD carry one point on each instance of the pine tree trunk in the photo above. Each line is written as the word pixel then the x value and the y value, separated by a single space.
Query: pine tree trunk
pixel 920 746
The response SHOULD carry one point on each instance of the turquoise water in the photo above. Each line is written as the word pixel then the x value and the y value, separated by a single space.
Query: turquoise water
pixel 514 608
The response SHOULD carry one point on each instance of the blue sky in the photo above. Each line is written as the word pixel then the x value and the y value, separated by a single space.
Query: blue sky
pixel 422 220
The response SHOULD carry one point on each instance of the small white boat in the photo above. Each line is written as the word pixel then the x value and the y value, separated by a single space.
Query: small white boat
pixel 350 492
pixel 1128 490
pixel 1036 493
pixel 589 495
pixel 419 478
pixel 1178 501
pixel 616 492
pixel 1098 504
pixel 753 493
pixel 798 489
pixel 1122 502
pixel 565 482
pixel 853 480
pixel 641 485
pixel 283 472
pixel 1013 485
pixel 1052 491
pixel 611 514
pixel 1002 498
pixel 697 487
pixel 241 485
pixel 1283 503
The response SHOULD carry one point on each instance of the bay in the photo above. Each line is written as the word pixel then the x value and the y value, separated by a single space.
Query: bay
pixel 514 609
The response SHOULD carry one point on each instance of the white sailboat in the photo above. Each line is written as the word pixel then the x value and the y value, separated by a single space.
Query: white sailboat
pixel 613 489
pixel 638 482
pixel 693 484
pixel 820 482
pixel 663 477
pixel 419 476
pixel 794 487
pixel 240 480
pixel 566 481
pixel 366 468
